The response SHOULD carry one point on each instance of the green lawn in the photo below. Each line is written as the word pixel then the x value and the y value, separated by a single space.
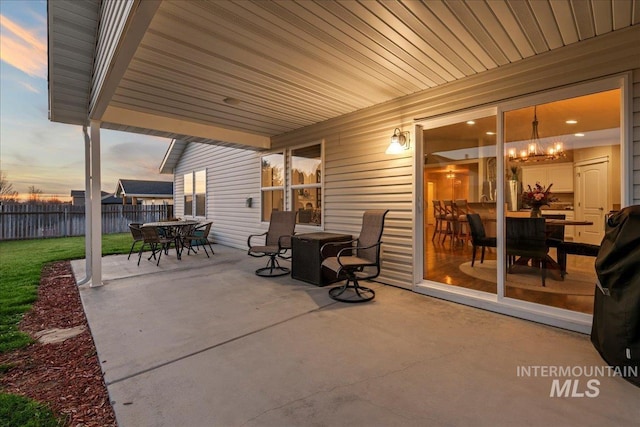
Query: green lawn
pixel 20 265
pixel 21 262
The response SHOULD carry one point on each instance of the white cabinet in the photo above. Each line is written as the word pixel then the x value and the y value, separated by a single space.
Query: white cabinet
pixel 559 174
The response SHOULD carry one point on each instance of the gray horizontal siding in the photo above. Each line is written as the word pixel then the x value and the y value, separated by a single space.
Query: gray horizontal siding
pixel 358 175
pixel 232 175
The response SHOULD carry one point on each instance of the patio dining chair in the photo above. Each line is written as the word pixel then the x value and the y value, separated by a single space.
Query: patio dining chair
pixel 277 241
pixel 136 233
pixel 197 237
pixel 358 262
pixel 156 243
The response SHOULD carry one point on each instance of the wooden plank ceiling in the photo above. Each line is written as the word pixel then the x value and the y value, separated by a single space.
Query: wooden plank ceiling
pixel 283 65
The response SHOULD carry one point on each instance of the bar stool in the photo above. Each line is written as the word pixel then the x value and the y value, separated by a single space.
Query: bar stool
pixel 462 210
pixel 451 220
pixel 439 216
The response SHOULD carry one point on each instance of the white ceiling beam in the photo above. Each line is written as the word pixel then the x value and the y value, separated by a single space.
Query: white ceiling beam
pixel 126 117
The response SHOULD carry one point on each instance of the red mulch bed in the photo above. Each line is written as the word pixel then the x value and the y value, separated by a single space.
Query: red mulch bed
pixel 64 375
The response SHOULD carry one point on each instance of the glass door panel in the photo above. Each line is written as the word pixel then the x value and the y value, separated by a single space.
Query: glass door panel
pixel 561 163
pixel 460 182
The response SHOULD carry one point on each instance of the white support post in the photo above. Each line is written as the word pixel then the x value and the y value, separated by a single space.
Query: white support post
pixel 96 207
pixel 87 207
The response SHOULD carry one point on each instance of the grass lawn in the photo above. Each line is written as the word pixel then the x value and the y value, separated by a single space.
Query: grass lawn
pixel 21 262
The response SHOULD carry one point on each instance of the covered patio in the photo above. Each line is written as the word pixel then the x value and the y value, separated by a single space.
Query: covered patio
pixel 207 342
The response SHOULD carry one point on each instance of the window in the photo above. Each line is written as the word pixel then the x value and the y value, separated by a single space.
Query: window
pixel 195 191
pixel 272 184
pixel 306 184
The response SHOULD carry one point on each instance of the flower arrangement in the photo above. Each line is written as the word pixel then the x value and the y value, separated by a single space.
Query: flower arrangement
pixel 537 196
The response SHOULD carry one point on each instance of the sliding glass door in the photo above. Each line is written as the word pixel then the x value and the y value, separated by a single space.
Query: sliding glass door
pixel 459 182
pixel 561 177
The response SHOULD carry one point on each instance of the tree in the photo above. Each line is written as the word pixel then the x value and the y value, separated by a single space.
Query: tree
pixel 7 193
pixel 34 194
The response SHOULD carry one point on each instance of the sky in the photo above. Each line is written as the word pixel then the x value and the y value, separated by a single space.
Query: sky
pixel 46 155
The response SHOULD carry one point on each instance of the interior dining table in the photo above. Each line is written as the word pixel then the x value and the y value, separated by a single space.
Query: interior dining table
pixel 554 269
pixel 175 230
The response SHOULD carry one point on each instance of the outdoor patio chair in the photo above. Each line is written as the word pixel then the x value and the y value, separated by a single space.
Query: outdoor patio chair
pixel 136 233
pixel 358 262
pixel 156 242
pixel 199 236
pixel 277 240
pixel 479 237
pixel 526 239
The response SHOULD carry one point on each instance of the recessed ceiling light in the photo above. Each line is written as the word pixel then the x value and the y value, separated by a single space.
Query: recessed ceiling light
pixel 490 133
pixel 231 101
pixel 571 122
pixel 471 122
pixel 579 134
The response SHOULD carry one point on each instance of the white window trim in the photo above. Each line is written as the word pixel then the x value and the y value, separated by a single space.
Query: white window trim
pixel 194 193
pixel 277 187
pixel 292 187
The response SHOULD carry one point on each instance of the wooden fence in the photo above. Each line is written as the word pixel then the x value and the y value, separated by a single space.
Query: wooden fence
pixel 33 221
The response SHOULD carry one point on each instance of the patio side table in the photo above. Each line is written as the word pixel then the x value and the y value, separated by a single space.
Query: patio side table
pixel 306 260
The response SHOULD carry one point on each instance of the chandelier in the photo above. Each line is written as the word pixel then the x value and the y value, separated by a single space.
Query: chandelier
pixel 535 152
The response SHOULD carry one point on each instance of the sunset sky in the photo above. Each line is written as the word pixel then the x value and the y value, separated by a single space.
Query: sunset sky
pixel 37 152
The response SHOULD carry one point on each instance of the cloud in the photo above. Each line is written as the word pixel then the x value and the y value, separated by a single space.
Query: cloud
pixel 23 48
pixel 29 87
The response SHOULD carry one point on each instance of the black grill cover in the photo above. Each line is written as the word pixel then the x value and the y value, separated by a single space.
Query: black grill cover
pixel 615 332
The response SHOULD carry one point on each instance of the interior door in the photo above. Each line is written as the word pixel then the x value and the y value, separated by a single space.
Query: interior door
pixel 592 186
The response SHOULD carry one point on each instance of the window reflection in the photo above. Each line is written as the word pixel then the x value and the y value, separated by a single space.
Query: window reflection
pixel 306 184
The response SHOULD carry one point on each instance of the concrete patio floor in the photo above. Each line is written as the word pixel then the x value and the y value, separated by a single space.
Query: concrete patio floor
pixel 206 342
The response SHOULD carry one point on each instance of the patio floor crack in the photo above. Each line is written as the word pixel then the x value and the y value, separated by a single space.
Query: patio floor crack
pixel 220 344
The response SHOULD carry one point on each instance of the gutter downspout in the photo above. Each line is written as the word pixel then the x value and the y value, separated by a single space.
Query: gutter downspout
pixel 87 207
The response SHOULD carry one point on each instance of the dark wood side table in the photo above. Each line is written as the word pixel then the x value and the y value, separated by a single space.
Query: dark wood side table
pixel 306 260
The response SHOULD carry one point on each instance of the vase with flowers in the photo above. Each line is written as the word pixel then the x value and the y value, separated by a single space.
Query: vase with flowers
pixel 537 197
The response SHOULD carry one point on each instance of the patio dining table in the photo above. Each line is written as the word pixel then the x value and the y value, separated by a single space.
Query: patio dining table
pixel 175 230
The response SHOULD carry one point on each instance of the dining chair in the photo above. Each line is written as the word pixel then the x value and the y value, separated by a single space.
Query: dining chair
pixel 526 239
pixel 197 237
pixel 361 261
pixel 156 243
pixel 277 240
pixel 136 233
pixel 555 238
pixel 574 248
pixel 479 237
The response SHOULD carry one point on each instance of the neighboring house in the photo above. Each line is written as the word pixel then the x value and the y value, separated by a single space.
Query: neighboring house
pixel 145 192
pixel 77 198
pixel 299 116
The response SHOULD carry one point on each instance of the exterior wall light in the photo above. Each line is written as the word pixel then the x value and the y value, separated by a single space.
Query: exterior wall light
pixel 399 142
